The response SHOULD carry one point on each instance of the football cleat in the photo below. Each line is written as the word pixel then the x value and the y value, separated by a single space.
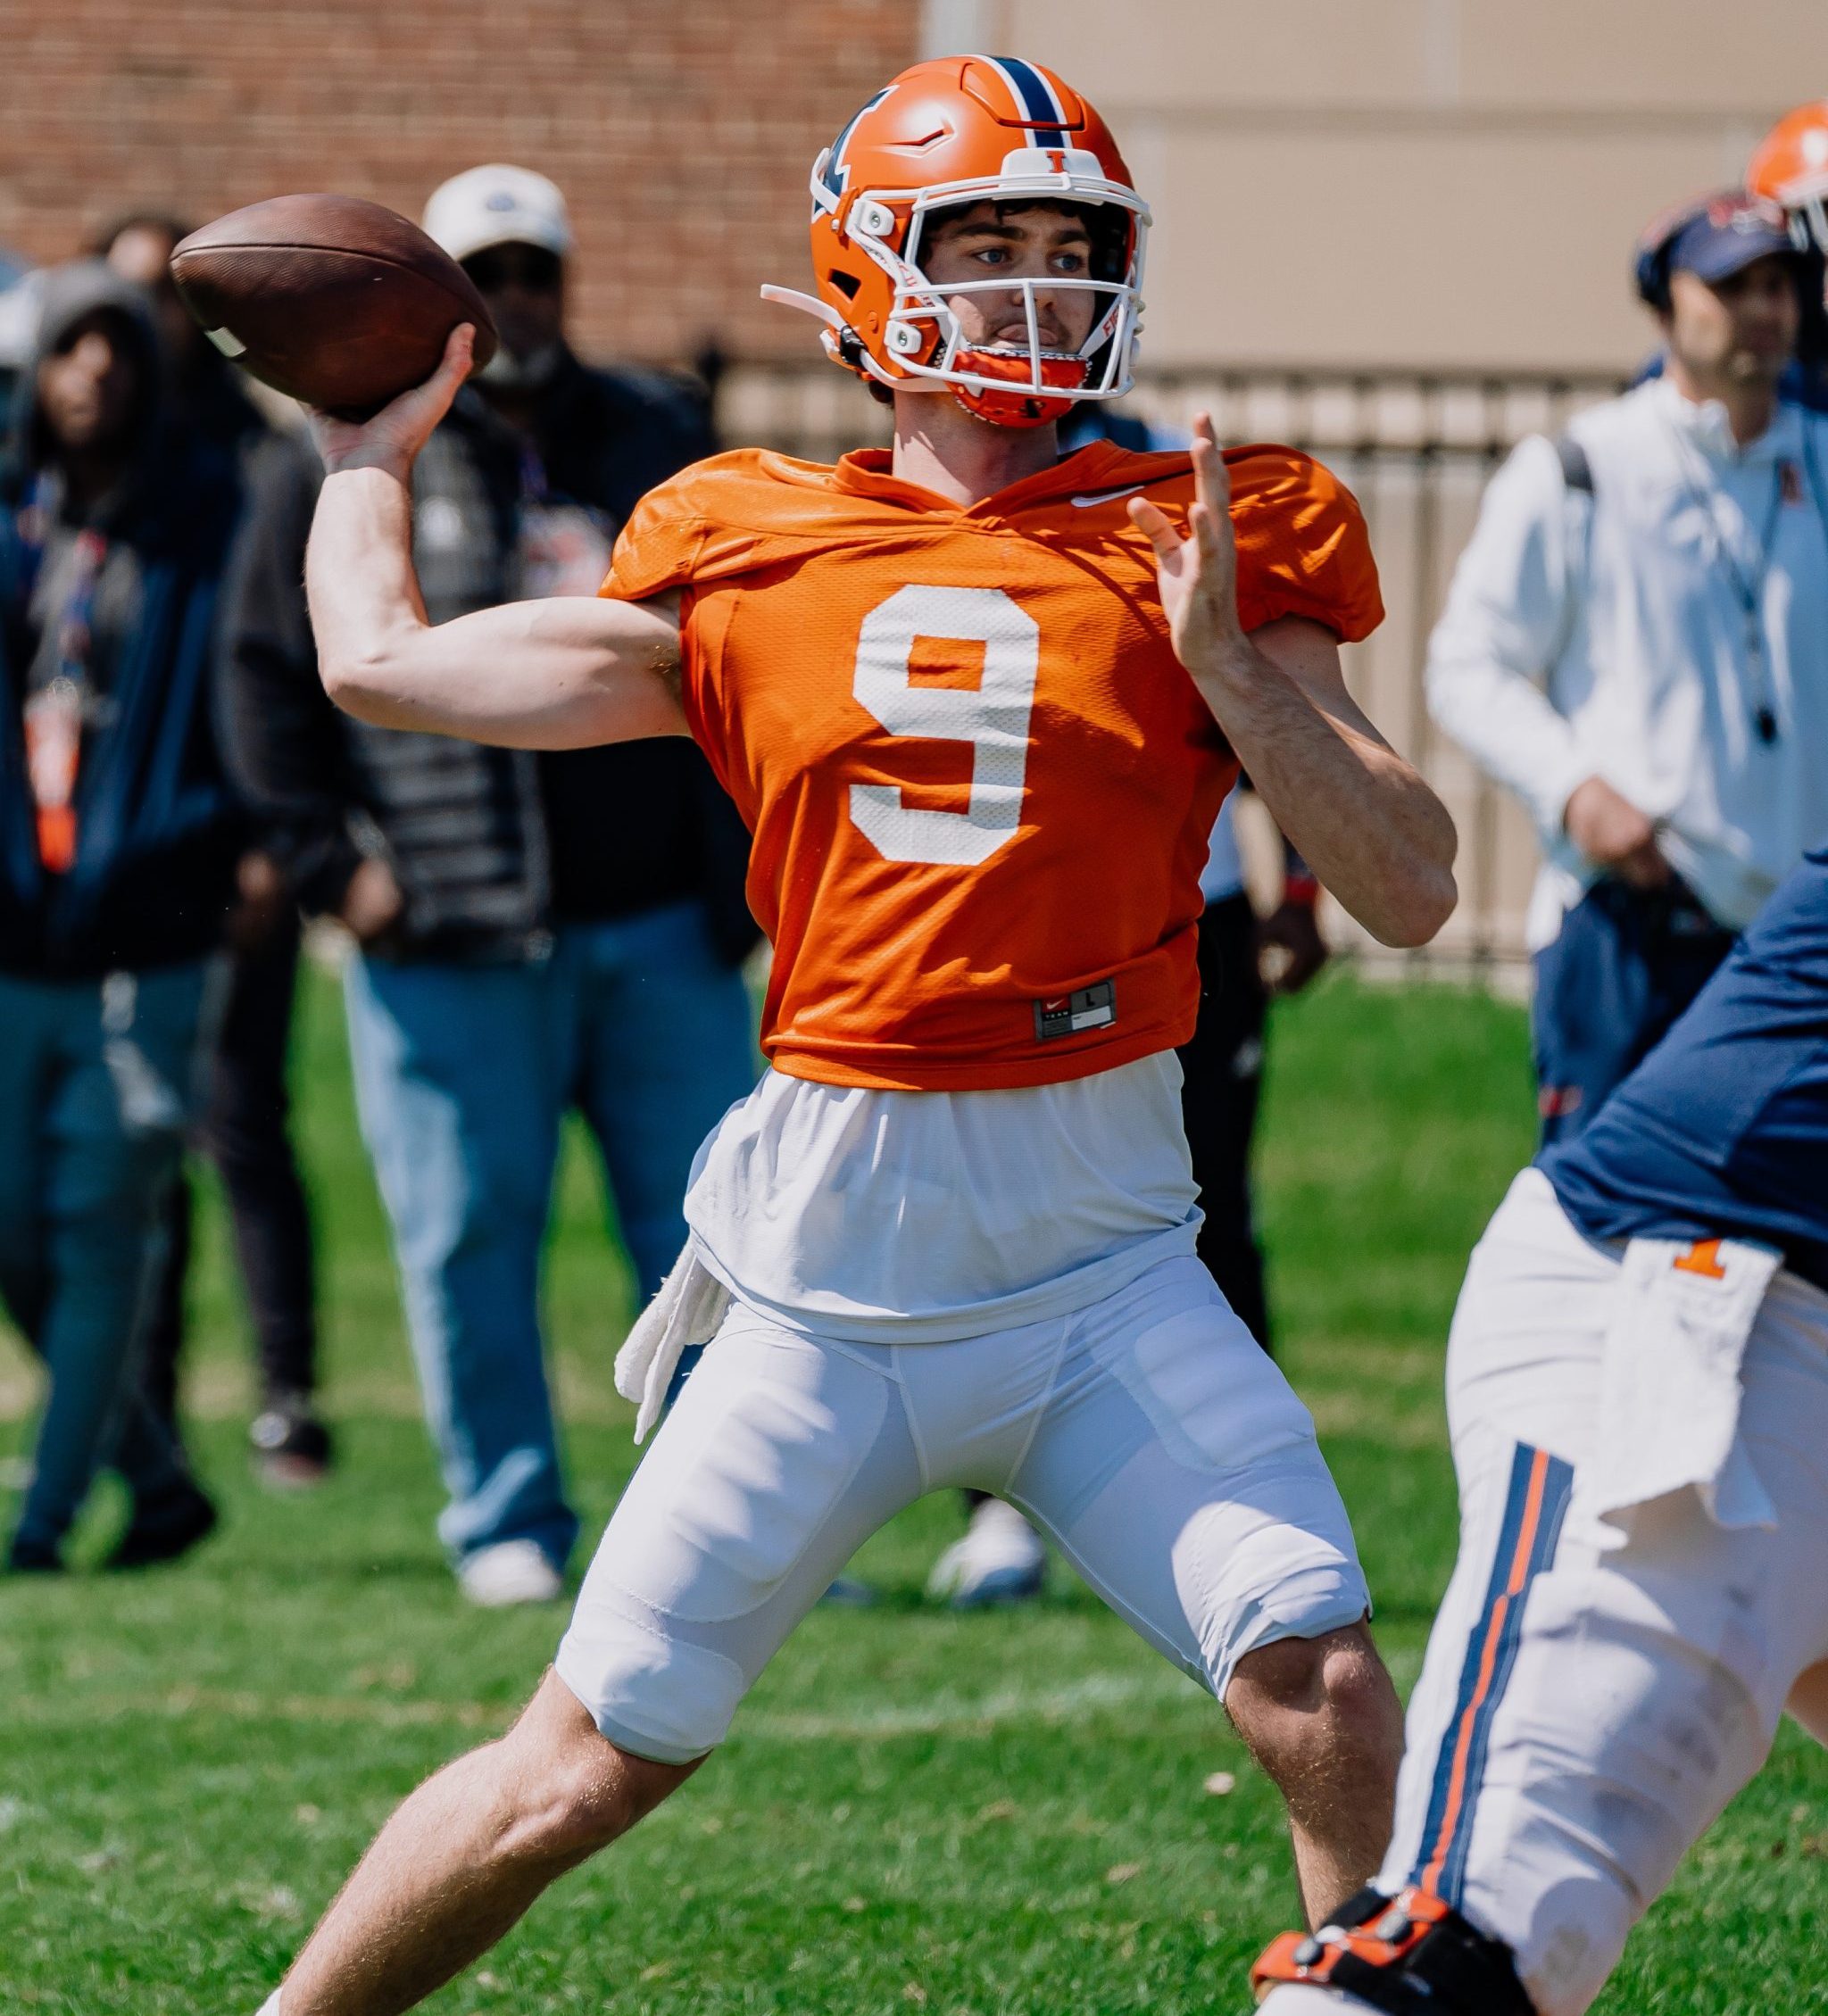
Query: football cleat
pixel 946 134
pixel 1412 1955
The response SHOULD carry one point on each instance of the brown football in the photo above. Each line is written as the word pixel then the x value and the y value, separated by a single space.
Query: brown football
pixel 340 302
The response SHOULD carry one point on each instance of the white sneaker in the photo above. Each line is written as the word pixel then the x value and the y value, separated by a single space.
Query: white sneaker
pixel 511 1571
pixel 1000 1560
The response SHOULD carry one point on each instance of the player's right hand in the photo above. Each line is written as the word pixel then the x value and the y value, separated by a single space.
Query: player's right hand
pixel 392 439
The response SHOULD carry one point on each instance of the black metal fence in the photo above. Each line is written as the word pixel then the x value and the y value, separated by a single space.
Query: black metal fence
pixel 1416 447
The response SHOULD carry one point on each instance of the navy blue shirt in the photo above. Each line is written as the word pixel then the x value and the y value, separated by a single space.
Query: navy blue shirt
pixel 1722 1133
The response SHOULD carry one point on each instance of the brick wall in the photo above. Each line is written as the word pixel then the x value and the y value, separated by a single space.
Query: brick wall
pixel 682 131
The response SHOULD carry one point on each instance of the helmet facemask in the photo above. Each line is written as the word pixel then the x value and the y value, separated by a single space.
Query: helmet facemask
pixel 1029 382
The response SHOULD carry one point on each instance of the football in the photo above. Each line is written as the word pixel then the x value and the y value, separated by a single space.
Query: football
pixel 335 300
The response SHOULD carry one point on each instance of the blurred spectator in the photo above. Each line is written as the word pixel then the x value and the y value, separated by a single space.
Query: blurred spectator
pixel 207 393
pixel 535 932
pixel 1243 960
pixel 117 875
pixel 18 315
pixel 244 1128
pixel 1636 643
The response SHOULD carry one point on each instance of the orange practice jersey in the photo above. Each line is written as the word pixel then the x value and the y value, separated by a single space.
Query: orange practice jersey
pixel 980 782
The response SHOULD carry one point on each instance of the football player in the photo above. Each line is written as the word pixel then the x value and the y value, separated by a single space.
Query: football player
pixel 1638 1395
pixel 1790 167
pixel 979 706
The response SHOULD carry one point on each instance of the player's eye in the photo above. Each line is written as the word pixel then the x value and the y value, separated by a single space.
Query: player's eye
pixel 1069 261
pixel 995 255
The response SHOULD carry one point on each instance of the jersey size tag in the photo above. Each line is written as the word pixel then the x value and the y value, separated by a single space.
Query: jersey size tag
pixel 1067 1014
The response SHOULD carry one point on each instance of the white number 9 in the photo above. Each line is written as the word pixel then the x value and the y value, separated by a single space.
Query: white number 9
pixel 993 719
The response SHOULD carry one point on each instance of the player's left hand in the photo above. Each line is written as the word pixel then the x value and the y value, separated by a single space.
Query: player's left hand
pixel 1198 575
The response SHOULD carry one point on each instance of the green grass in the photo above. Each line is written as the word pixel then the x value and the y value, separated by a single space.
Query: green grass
pixel 915 1811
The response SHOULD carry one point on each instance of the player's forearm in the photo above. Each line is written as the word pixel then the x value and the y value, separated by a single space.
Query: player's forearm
pixel 1367 825
pixel 558 674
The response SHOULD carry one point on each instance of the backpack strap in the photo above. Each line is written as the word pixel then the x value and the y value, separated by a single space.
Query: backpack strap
pixel 1576 470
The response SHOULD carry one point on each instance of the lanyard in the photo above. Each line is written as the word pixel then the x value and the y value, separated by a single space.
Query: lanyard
pixel 55 714
pixel 1748 589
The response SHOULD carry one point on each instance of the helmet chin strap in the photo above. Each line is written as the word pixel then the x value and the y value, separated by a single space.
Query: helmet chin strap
pixel 1020 403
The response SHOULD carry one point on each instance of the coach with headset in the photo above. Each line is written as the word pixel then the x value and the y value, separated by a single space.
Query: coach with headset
pixel 1636 644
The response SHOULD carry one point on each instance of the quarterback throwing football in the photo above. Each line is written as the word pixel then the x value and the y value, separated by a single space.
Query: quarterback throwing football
pixel 979 706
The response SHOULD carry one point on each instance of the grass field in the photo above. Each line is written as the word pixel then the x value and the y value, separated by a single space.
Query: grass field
pixel 915 1811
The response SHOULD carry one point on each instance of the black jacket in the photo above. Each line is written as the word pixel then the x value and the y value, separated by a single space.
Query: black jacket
pixel 491 847
pixel 159 829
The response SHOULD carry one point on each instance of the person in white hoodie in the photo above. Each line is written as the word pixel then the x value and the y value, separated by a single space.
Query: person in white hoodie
pixel 1636 644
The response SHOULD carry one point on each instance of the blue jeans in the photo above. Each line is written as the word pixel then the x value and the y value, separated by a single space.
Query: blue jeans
pixel 97 1085
pixel 462 1076
pixel 1625 965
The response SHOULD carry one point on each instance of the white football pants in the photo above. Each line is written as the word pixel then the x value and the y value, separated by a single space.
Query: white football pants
pixel 1148 1435
pixel 1596 1691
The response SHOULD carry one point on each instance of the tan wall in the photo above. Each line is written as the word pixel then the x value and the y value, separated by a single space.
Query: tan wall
pixel 1412 182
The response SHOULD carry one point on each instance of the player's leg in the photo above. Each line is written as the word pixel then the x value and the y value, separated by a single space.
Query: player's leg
pixel 1808 1705
pixel 465 1855
pixel 1177 1471
pixel 761 1482
pixel 1595 1690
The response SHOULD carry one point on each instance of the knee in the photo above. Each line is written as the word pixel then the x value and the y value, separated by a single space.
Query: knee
pixel 1306 1703
pixel 575 1790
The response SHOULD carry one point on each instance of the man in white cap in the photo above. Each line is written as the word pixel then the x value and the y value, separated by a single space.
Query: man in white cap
pixel 509 228
pixel 537 931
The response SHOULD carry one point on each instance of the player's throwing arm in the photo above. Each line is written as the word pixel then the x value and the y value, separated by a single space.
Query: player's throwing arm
pixel 564 673
pixel 1370 828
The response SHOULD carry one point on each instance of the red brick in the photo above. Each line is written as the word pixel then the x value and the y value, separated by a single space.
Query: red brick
pixel 682 131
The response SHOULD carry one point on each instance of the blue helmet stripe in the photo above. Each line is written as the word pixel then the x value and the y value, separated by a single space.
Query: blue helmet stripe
pixel 1037 101
pixel 834 176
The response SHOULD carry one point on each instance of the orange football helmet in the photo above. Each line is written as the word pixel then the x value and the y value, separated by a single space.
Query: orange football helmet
pixel 1792 168
pixel 958 130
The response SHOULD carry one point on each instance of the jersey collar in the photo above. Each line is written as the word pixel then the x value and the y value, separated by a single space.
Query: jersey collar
pixel 868 472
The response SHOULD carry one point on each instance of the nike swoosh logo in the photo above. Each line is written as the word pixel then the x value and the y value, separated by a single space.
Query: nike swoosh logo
pixel 1105 496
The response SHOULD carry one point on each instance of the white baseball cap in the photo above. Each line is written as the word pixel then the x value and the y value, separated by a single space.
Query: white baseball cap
pixel 498 206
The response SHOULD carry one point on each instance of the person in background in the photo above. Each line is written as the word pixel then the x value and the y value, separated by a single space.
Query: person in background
pixel 1636 643
pixel 120 843
pixel 18 315
pixel 1789 168
pixel 534 932
pixel 244 1128
pixel 206 393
